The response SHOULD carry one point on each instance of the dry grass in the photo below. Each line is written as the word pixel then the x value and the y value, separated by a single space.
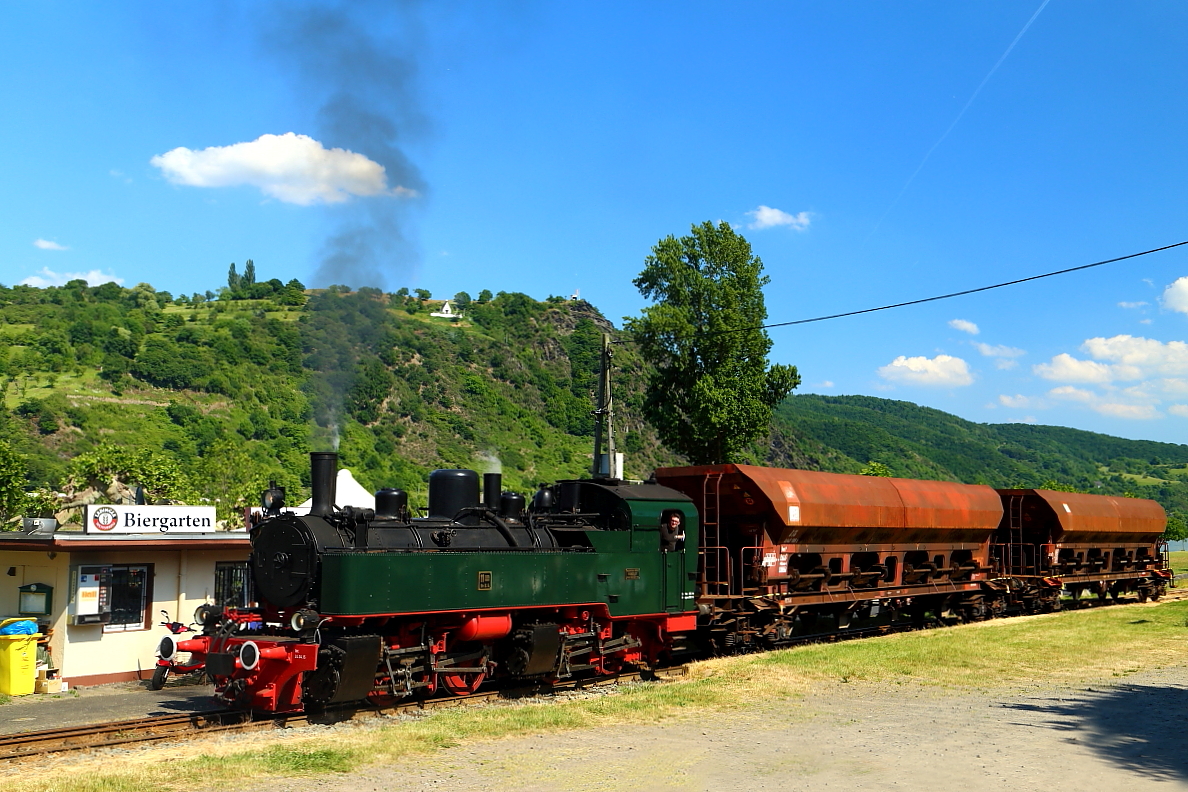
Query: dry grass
pixel 1061 648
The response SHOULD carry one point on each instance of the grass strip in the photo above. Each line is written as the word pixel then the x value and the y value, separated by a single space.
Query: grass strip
pixel 1178 560
pixel 1066 648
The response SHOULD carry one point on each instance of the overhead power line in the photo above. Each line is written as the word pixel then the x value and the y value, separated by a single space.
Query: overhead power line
pixel 963 293
pixel 944 296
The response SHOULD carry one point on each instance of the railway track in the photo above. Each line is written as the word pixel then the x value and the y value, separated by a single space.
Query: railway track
pixel 101 735
pixel 143 730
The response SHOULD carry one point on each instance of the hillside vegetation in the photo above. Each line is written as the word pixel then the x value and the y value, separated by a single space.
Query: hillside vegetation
pixel 197 398
pixel 211 396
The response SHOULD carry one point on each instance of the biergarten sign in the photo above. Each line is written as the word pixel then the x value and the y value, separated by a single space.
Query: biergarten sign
pixel 113 519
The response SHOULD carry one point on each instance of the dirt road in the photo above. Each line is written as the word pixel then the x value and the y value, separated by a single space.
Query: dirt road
pixel 1121 736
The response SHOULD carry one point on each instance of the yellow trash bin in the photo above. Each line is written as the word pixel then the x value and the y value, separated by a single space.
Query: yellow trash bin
pixel 18 662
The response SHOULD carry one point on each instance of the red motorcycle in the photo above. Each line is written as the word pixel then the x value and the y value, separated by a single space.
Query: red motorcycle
pixel 167 654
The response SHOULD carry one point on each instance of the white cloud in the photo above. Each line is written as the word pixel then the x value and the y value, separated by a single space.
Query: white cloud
pixel 964 326
pixel 826 384
pixel 45 244
pixel 1135 357
pixel 1140 393
pixel 1069 393
pixel 1004 356
pixel 1173 387
pixel 50 278
pixel 1140 407
pixel 1175 296
pixel 1119 358
pixel 1066 368
pixel 1017 401
pixel 767 217
pixel 292 168
pixel 1139 304
pixel 1134 412
pixel 1026 419
pixel 942 370
pixel 998 350
pixel 1179 409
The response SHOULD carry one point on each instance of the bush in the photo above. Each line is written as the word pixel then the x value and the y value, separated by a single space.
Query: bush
pixel 168 365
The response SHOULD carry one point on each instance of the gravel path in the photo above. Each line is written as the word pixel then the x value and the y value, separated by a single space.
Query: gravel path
pixel 1105 738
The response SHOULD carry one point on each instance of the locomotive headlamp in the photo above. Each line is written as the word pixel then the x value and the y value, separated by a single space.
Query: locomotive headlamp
pixel 249 655
pixel 206 615
pixel 273 499
pixel 304 620
pixel 167 648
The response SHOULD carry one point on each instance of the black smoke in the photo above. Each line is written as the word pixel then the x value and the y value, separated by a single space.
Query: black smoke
pixel 358 62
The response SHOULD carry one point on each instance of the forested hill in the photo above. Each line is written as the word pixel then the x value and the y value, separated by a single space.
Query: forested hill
pixel 210 398
pixel 846 433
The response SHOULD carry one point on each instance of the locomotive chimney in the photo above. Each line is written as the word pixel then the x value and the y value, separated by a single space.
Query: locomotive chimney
pixel 492 485
pixel 323 468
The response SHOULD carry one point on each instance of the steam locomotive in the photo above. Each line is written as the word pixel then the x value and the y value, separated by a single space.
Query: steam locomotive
pixel 360 603
pixel 584 581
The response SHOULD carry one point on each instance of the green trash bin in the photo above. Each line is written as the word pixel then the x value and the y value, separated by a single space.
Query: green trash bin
pixel 18 662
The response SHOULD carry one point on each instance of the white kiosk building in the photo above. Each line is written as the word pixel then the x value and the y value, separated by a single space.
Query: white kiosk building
pixel 97 593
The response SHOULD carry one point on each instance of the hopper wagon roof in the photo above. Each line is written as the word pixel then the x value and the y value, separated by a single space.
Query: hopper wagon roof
pixel 809 498
pixel 1079 513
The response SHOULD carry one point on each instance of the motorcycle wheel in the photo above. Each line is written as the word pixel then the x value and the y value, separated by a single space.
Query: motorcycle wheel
pixel 160 673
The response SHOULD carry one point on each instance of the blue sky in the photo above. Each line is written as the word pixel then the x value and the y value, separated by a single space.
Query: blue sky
pixel 545 147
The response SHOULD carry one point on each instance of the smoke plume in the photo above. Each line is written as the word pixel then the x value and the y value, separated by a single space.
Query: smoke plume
pixel 359 61
pixel 489 462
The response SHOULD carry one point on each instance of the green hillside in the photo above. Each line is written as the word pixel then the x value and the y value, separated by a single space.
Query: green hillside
pixel 197 398
pixel 210 396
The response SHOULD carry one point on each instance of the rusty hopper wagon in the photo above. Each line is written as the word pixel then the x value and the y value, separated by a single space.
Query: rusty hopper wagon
pixel 782 548
pixel 1099 544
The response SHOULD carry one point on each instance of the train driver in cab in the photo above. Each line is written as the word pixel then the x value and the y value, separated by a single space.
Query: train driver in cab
pixel 672 532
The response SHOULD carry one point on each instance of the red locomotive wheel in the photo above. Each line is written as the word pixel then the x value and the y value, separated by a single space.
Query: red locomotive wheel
pixel 464 684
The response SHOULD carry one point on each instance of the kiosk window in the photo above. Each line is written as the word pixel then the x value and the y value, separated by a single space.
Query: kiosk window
pixel 129 598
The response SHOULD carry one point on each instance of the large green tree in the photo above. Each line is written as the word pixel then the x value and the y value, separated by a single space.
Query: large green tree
pixel 712 393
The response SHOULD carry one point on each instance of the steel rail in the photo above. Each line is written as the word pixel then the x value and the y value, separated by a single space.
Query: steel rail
pixel 24 745
pixel 100 735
